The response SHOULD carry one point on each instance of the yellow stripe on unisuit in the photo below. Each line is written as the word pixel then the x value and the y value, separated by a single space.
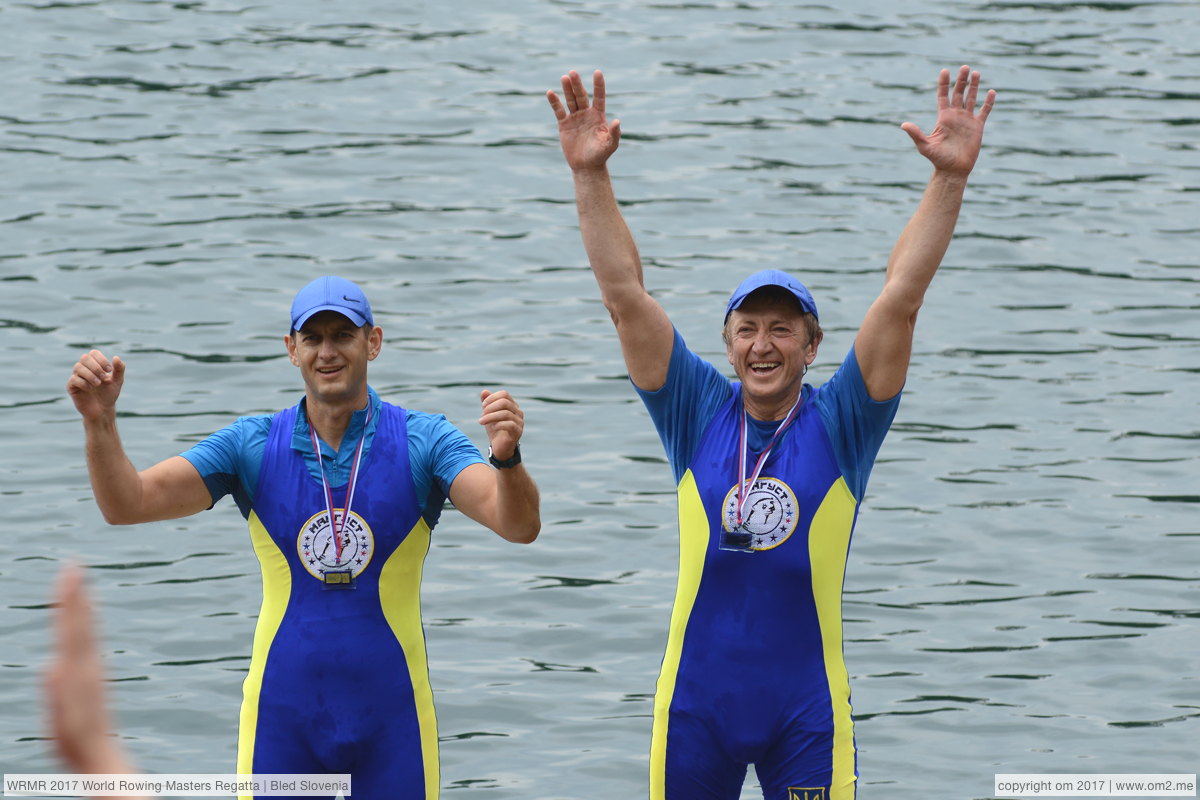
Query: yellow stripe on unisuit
pixel 400 597
pixel 277 588
pixel 828 544
pixel 693 544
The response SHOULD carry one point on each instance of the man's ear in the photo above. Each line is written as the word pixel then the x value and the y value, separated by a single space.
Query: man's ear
pixel 811 355
pixel 374 343
pixel 289 341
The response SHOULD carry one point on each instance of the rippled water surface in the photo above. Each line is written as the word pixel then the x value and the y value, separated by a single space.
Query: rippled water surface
pixel 1023 591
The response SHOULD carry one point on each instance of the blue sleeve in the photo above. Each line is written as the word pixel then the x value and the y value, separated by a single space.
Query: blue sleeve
pixel 437 452
pixel 686 403
pixel 856 424
pixel 230 459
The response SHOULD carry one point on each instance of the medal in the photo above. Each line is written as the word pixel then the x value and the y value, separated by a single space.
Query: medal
pixel 734 535
pixel 340 578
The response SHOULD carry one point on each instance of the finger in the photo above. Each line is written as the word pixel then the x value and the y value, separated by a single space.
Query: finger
pixel 76 638
pixel 989 100
pixel 972 92
pixel 580 93
pixel 499 408
pixel 501 423
pixel 91 370
pixel 960 85
pixel 83 377
pixel 96 361
pixel 499 413
pixel 560 113
pixel 914 131
pixel 490 398
pixel 568 92
pixel 598 90
pixel 943 89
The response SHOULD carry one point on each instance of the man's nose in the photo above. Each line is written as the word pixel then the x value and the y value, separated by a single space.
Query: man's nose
pixel 762 340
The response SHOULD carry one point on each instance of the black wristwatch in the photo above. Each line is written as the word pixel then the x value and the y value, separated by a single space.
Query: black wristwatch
pixel 508 463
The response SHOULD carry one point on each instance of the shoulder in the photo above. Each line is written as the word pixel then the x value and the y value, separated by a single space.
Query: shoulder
pixel 689 374
pixel 425 423
pixel 847 408
pixel 240 433
pixel 229 449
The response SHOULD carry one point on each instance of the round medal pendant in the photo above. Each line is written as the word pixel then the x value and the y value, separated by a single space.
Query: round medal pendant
pixel 769 517
pixel 319 553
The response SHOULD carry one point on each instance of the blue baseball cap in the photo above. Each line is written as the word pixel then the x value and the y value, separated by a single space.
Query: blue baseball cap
pixel 772 277
pixel 331 293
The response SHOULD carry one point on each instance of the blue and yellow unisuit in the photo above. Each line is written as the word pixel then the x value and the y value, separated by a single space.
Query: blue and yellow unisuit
pixel 338 681
pixel 753 671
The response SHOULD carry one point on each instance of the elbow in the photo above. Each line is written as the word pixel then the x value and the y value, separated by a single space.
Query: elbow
pixel 623 301
pixel 121 514
pixel 525 534
pixel 116 517
pixel 902 303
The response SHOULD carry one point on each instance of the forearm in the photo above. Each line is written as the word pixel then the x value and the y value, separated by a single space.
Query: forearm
pixel 518 515
pixel 116 484
pixel 918 252
pixel 611 251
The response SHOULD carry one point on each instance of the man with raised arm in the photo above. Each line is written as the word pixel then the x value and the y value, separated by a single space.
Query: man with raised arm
pixel 770 472
pixel 341 492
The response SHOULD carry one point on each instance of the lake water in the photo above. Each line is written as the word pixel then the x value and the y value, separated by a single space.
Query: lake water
pixel 1023 592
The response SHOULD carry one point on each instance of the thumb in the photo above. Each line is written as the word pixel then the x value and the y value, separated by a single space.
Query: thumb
pixel 484 395
pixel 118 369
pixel 614 130
pixel 914 133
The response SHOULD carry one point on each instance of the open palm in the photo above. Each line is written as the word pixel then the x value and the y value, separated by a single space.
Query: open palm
pixel 587 138
pixel 953 144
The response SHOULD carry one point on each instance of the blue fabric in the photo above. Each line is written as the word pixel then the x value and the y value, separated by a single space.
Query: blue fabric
pixel 755 681
pixel 695 390
pixel 336 693
pixel 229 460
pixel 755 609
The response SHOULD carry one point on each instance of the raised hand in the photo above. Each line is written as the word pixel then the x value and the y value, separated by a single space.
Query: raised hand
pixel 79 719
pixel 95 384
pixel 503 421
pixel 587 139
pixel 953 144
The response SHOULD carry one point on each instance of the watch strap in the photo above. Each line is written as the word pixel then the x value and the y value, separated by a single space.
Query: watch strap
pixel 508 463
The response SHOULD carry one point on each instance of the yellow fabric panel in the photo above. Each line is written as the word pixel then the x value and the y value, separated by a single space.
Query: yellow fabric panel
pixel 277 588
pixel 400 596
pixel 828 543
pixel 693 544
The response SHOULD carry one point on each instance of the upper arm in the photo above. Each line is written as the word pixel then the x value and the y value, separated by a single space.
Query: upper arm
pixel 229 460
pixel 504 500
pixel 172 489
pixel 884 345
pixel 474 493
pixel 856 423
pixel 646 338
pixel 692 392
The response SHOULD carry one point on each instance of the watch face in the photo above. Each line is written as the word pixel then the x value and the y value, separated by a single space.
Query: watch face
pixel 511 461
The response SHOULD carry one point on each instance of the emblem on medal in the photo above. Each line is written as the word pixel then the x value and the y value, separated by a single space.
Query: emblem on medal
pixel 321 555
pixel 769 517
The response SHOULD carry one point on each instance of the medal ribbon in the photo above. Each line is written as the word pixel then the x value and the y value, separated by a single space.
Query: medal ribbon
pixel 743 492
pixel 337 529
